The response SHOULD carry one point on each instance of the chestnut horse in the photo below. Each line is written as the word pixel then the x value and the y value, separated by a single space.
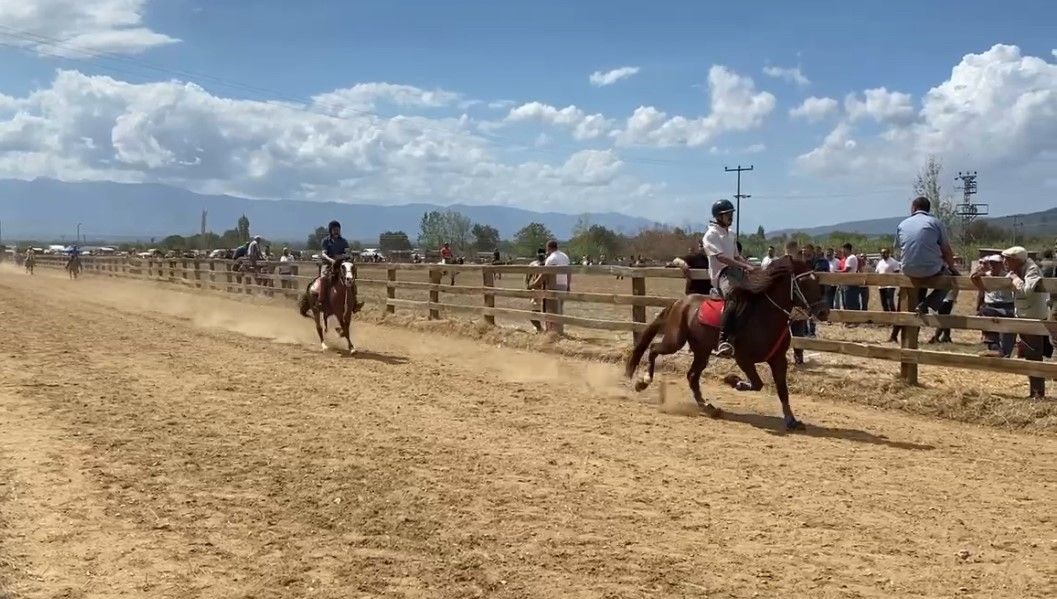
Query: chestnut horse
pixel 340 302
pixel 766 302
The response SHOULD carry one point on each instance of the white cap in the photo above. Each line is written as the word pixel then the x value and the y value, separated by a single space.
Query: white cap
pixel 1016 252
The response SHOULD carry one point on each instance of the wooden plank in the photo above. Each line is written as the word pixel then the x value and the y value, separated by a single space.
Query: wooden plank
pixel 488 278
pixel 590 323
pixel 390 290
pixel 973 323
pixel 933 358
pixel 898 280
pixel 572 296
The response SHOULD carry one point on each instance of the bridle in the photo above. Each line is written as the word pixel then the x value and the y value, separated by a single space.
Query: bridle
pixel 798 299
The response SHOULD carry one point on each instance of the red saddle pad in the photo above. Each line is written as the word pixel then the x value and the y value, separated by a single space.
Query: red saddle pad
pixel 711 313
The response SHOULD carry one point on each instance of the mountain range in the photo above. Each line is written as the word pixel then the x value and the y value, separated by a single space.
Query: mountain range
pixel 1040 223
pixel 47 209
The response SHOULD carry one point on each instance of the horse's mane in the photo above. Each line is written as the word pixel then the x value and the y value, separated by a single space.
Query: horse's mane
pixel 761 279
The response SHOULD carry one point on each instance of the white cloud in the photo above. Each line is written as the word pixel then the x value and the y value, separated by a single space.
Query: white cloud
pixel 998 108
pixel 735 104
pixel 97 128
pixel 501 104
pixel 600 79
pixel 364 97
pixel 790 74
pixel 583 126
pixel 78 28
pixel 880 105
pixel 814 109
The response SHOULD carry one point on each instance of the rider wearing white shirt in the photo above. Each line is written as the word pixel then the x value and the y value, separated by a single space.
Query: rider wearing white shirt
pixel 726 266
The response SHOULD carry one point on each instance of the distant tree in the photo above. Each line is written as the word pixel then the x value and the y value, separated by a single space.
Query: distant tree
pixel 243 228
pixel 927 183
pixel 594 240
pixel 394 241
pixel 485 237
pixel 449 226
pixel 315 239
pixel 174 242
pixel 531 237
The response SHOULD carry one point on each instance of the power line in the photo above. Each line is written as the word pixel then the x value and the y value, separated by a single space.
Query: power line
pixel 968 209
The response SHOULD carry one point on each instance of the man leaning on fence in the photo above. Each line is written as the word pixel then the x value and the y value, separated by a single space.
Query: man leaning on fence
pixel 1029 301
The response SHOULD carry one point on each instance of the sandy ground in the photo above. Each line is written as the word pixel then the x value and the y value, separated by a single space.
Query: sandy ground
pixel 160 444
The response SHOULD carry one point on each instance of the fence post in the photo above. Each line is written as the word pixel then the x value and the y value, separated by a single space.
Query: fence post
pixel 908 371
pixel 638 313
pixel 551 306
pixel 489 300
pixel 230 277
pixel 390 290
pixel 212 274
pixel 434 292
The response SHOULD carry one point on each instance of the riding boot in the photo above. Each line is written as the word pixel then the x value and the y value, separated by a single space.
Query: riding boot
pixel 726 333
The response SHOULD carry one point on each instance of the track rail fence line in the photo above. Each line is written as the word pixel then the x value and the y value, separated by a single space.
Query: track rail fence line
pixel 222 275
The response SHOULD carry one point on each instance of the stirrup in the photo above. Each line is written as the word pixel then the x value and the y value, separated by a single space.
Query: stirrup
pixel 725 350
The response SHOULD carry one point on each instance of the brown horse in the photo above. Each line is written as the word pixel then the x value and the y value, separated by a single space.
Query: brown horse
pixel 767 300
pixel 340 302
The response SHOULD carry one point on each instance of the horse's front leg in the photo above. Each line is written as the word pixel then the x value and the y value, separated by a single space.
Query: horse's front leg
pixel 347 327
pixel 779 370
pixel 755 383
pixel 319 329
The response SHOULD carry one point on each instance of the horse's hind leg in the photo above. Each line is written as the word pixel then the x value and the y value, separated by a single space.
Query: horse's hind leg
pixel 693 376
pixel 779 370
pixel 669 344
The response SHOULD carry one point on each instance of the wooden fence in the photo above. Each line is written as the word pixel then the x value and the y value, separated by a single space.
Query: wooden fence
pixel 220 275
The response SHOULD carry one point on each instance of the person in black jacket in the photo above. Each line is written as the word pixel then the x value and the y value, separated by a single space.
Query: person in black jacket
pixel 695 260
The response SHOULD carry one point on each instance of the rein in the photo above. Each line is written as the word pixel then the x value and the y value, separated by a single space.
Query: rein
pixel 796 295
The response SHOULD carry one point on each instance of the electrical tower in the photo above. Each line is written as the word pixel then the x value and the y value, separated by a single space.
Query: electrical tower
pixel 1018 226
pixel 968 210
pixel 737 197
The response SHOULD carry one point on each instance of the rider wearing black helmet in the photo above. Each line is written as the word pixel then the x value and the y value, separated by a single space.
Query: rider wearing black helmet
pixel 726 266
pixel 333 247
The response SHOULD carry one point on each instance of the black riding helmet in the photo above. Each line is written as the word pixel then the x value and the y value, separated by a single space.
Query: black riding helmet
pixel 722 207
pixel 333 224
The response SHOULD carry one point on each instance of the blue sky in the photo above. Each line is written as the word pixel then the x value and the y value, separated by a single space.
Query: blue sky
pixel 492 102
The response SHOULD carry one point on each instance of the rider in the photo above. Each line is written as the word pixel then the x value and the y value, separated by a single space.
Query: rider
pixel 254 251
pixel 333 247
pixel 75 256
pixel 726 267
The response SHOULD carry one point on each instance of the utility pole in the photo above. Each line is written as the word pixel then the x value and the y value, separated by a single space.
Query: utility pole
pixel 737 197
pixel 77 239
pixel 1018 226
pixel 968 209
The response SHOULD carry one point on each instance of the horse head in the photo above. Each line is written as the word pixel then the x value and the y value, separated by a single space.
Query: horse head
pixel 347 276
pixel 806 290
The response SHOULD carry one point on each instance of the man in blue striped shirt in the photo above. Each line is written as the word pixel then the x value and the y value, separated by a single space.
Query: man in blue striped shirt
pixel 925 251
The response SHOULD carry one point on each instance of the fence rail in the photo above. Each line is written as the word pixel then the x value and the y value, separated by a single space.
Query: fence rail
pixel 222 275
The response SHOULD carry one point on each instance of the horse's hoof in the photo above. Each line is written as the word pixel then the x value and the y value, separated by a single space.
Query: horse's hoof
pixel 732 380
pixel 794 425
pixel 323 347
pixel 641 385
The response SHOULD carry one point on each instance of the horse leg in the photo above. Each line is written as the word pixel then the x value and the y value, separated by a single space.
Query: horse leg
pixel 779 369
pixel 319 329
pixel 755 383
pixel 669 344
pixel 347 326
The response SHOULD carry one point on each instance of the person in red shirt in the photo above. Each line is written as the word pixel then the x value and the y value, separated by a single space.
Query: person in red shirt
pixel 446 255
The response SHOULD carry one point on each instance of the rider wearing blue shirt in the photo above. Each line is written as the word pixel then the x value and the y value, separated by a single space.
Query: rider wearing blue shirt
pixel 333 247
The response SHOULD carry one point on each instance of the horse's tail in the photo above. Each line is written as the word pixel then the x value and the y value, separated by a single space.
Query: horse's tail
pixel 304 303
pixel 644 341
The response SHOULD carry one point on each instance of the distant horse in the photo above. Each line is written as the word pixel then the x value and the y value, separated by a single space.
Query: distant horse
pixel 73 267
pixel 451 273
pixel 340 302
pixel 767 300
pixel 31 262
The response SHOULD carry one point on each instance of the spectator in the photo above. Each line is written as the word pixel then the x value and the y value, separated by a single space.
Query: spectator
pixel 695 260
pixel 1028 302
pixel 819 263
pixel 446 255
pixel 532 283
pixel 556 257
pixel 997 303
pixel 888 265
pixel 864 291
pixel 285 269
pixel 825 263
pixel 852 293
pixel 925 252
pixel 942 335
pixel 1049 270
pixel 768 258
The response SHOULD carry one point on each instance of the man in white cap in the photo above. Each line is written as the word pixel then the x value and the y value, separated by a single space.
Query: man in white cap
pixel 995 303
pixel 1029 301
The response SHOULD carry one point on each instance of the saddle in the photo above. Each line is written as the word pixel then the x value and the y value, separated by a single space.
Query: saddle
pixel 710 313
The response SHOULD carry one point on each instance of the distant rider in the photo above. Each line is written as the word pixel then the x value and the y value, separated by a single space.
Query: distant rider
pixel 332 249
pixel 726 266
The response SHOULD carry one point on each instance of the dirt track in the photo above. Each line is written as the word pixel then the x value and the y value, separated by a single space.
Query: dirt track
pixel 206 448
